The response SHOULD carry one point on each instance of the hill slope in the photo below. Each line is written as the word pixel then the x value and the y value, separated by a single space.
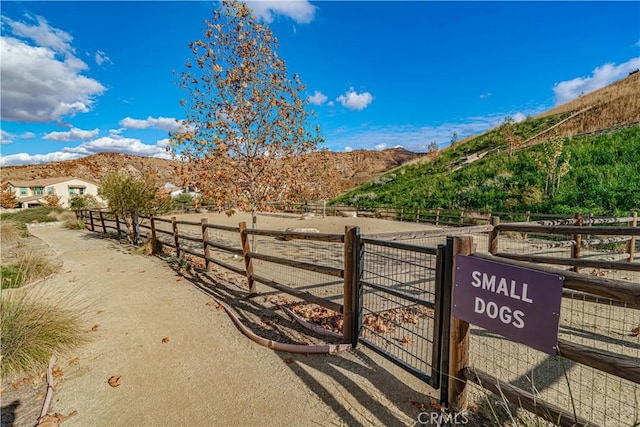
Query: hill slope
pixel 602 134
pixel 356 167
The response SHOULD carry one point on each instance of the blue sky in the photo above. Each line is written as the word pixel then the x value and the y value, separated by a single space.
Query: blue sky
pixel 78 78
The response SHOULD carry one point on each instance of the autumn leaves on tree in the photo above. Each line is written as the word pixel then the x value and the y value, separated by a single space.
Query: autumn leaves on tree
pixel 247 138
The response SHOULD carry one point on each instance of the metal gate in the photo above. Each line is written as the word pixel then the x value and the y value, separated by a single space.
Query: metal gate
pixel 400 311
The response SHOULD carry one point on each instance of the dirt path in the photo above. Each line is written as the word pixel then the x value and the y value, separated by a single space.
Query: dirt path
pixel 208 373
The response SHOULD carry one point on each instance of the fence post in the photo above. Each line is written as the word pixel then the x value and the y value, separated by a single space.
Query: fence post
pixel 118 225
pixel 352 272
pixel 154 239
pixel 577 238
pixel 136 227
pixel 176 240
pixel 527 218
pixel 417 214
pixel 437 216
pixel 104 228
pixel 493 235
pixel 248 265
pixel 631 244
pixel 91 220
pixel 205 238
pixel 459 334
pixel 462 217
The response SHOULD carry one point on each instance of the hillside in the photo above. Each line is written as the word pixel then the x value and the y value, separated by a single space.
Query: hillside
pixel 356 167
pixel 602 132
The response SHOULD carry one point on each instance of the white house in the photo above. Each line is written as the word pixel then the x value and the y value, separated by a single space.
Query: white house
pixel 32 193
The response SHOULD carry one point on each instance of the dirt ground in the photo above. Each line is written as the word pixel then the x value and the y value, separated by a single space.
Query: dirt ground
pixel 183 362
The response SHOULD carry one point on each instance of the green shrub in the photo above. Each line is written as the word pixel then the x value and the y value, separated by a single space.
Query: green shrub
pixel 33 330
pixel 28 267
pixel 11 276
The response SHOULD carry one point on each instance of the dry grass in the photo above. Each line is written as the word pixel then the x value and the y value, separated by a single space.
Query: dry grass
pixel 33 330
pixel 10 231
pixel 614 105
pixel 28 267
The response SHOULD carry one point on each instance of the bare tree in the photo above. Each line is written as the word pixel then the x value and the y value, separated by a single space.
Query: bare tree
pixel 247 124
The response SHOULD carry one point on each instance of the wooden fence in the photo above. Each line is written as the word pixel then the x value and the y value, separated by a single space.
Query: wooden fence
pixel 462 367
pixel 583 234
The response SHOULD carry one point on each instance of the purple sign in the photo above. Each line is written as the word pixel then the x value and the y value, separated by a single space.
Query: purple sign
pixel 518 303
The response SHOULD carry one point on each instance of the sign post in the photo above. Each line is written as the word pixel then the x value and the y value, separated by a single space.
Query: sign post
pixel 518 303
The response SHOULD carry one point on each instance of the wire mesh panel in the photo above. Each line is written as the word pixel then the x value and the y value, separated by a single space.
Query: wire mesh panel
pixel 313 252
pixel 604 327
pixel 399 304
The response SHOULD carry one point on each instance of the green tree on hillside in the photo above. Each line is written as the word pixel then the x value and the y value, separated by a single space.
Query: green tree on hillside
pixel 247 127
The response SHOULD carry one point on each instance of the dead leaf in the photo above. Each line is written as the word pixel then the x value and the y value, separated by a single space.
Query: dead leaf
pixel 73 360
pixel 95 327
pixel 219 307
pixel 57 373
pixel 288 361
pixel 165 340
pixel 209 303
pixel 405 340
pixel 114 381
pixel 178 280
pixel 635 332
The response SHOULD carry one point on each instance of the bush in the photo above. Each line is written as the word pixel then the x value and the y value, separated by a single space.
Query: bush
pixel 30 266
pixel 10 231
pixel 85 201
pixel 33 330
pixel 11 276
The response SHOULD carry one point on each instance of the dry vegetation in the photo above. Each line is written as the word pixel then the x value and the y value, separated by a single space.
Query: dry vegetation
pixel 33 330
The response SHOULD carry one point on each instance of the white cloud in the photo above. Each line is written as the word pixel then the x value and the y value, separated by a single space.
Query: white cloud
pixel 100 58
pixel 42 34
pixel 485 95
pixel 301 11
pixel 416 138
pixel 570 89
pixel 348 149
pixel 168 124
pixel 8 138
pixel 112 143
pixel 42 83
pixel 355 101
pixel 73 134
pixel 163 143
pixel 318 98
pixel 519 117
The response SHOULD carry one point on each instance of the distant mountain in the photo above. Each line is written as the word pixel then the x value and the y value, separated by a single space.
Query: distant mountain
pixel 93 168
pixel 357 166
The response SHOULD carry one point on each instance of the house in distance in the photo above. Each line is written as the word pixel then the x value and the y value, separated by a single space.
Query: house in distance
pixel 32 193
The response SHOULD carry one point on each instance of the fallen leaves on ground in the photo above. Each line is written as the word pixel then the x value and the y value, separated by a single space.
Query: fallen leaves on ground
pixel 219 307
pixel 73 360
pixel 55 419
pixel 165 340
pixel 209 303
pixel 94 328
pixel 114 381
pixel 57 373
pixel 288 360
